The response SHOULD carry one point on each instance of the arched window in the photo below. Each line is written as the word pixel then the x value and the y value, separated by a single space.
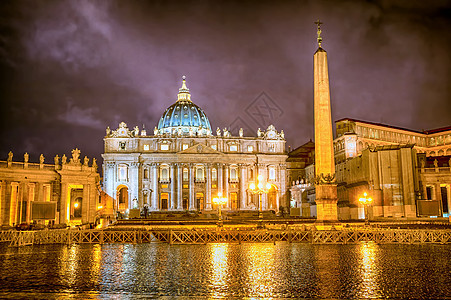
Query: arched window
pixel 122 172
pixel 164 173
pixel 233 173
pixel 272 173
pixel 199 173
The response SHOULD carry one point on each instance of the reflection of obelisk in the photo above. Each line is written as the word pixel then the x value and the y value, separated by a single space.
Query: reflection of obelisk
pixel 325 187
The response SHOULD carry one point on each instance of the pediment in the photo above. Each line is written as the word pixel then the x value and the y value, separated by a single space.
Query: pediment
pixel 199 148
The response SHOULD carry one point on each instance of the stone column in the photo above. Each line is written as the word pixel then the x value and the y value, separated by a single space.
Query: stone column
pixel 155 193
pixel 192 205
pixel 208 187
pixel 243 187
pixel 325 187
pixel 180 187
pixel 173 197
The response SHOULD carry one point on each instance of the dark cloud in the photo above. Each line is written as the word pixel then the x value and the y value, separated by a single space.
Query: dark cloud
pixel 69 69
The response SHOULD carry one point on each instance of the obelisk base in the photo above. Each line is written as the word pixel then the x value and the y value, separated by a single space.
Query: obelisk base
pixel 326 203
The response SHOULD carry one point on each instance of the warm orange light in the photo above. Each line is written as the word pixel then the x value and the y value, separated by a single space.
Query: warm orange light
pixel 260 177
pixel 268 186
pixel 99 207
pixel 252 186
pixel 76 204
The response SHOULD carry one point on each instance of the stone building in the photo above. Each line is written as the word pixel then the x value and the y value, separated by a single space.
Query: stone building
pixel 354 136
pixel 434 173
pixel 65 192
pixel 184 164
pixel 406 172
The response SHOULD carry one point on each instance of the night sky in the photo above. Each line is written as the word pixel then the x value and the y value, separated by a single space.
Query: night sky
pixel 69 69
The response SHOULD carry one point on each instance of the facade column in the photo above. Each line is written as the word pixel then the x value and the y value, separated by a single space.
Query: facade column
pixel 283 192
pixel 155 193
pixel 192 205
pixel 179 186
pixel 208 188
pixel 30 198
pixel 243 183
pixel 13 203
pixel 85 204
pixel 173 197
pixel 261 170
pixel 134 185
pixel 438 196
pixel 63 203
pixel 220 178
pixel 226 185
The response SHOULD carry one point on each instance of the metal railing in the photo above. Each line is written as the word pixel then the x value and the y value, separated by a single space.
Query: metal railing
pixel 234 235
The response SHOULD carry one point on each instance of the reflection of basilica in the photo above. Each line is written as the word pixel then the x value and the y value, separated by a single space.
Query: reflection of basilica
pixel 183 165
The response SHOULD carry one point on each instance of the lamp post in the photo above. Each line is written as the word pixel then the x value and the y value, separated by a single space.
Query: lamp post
pixel 220 201
pixel 365 200
pixel 260 189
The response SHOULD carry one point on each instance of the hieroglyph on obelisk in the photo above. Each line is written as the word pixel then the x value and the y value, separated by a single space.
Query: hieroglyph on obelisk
pixel 325 187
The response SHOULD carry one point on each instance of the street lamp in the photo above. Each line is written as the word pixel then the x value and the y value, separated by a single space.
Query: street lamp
pixel 220 201
pixel 260 189
pixel 365 200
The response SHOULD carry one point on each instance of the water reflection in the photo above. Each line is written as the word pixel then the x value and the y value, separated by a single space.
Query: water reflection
pixel 260 263
pixel 368 270
pixel 225 271
pixel 327 261
pixel 219 269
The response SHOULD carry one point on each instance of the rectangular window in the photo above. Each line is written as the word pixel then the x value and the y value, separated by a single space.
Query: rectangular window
pixel 46 192
pixel 214 147
pixel 184 146
pixel 146 147
pixel 429 192
pixel 185 174
pixel 250 148
pixel 233 148
pixel 164 147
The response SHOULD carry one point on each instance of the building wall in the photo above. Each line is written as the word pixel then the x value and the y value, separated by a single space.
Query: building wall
pixel 180 172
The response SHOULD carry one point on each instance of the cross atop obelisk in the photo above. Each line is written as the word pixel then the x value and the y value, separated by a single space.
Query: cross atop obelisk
pixel 320 39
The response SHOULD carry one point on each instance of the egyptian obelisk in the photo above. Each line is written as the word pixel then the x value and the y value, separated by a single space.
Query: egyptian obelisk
pixel 325 187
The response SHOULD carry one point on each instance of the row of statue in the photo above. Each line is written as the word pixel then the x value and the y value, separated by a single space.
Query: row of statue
pixel 74 160
pixel 192 132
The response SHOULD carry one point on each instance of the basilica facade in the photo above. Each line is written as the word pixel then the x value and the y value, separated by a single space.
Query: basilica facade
pixel 183 165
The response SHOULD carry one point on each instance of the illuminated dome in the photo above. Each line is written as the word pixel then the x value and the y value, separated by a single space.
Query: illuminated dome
pixel 184 117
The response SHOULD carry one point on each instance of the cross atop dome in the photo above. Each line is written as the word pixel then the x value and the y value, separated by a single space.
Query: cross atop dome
pixel 184 94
